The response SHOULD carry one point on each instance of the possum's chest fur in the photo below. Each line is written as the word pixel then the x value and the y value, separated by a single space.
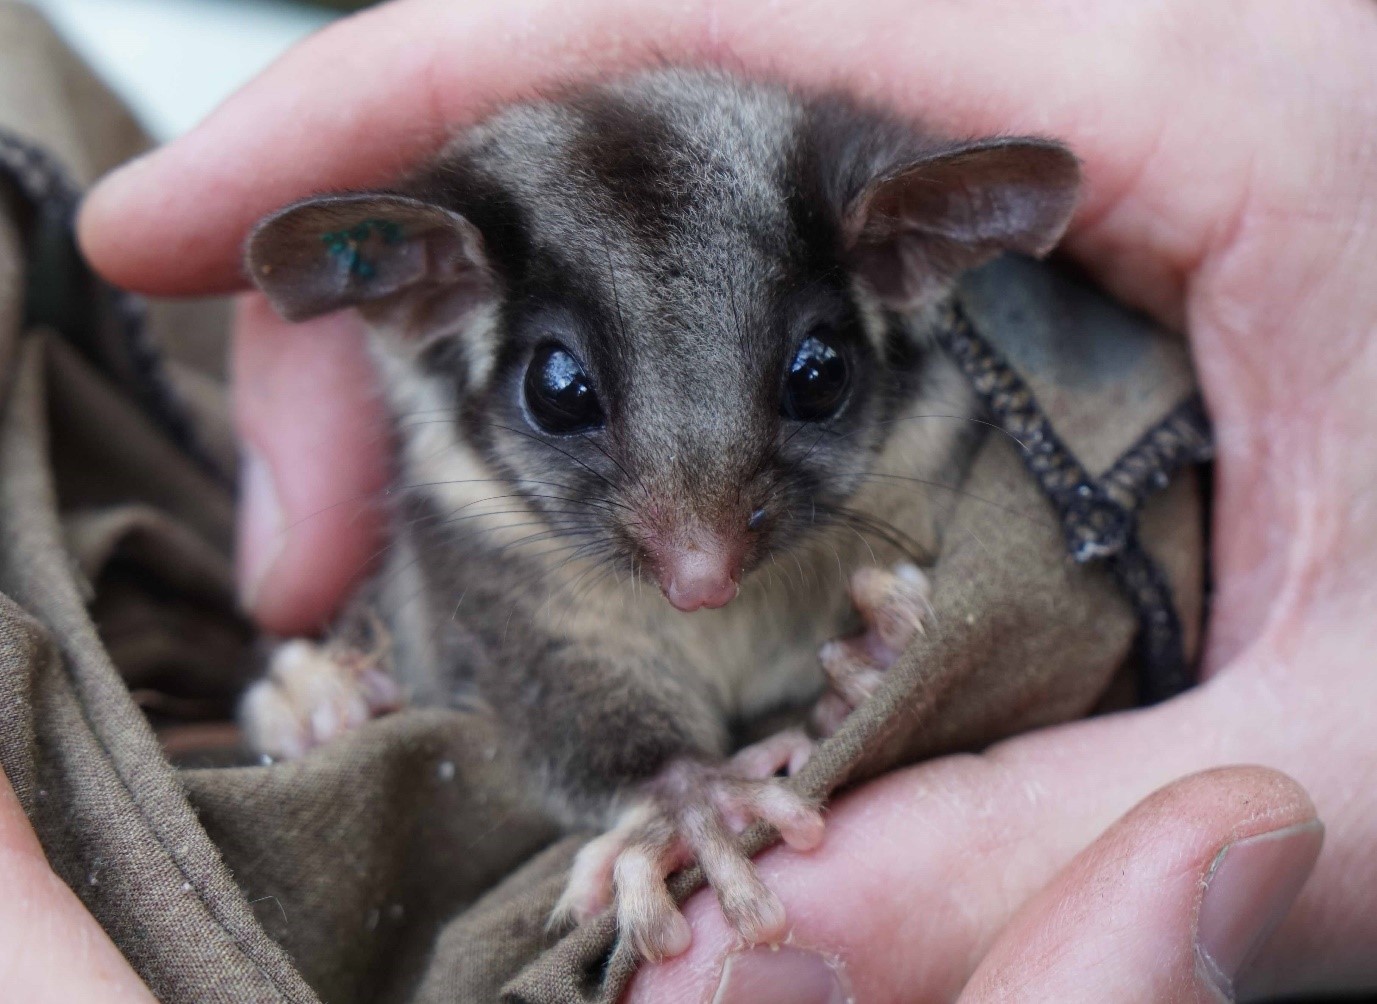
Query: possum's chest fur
pixel 453 626
pixel 477 591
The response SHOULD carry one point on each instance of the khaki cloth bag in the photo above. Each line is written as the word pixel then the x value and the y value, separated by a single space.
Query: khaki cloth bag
pixel 402 863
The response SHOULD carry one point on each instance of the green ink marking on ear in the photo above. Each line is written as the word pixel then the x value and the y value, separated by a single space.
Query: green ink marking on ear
pixel 344 244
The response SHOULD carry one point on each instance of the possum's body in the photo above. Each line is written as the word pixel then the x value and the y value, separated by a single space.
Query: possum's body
pixel 666 336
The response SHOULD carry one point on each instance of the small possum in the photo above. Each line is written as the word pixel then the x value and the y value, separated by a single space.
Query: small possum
pixel 660 357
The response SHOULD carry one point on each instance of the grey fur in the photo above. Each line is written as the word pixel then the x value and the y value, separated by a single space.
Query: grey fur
pixel 680 232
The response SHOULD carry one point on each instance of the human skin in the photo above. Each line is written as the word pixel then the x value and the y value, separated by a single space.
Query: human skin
pixel 1229 153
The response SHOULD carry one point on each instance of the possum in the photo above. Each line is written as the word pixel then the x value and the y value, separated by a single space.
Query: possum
pixel 660 354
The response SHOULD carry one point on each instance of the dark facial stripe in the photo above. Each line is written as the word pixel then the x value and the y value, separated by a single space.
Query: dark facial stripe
pixel 637 159
pixel 457 184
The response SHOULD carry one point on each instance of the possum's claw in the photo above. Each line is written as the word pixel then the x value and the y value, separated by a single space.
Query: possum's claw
pixel 691 811
pixel 311 694
pixel 891 604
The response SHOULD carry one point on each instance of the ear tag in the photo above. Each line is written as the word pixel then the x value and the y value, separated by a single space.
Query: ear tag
pixel 349 246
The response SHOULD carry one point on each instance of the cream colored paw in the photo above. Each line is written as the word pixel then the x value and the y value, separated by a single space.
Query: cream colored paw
pixel 891 604
pixel 311 694
pixel 690 812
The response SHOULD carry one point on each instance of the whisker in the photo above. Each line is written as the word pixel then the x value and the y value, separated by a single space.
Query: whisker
pixel 886 531
pixel 964 493
pixel 536 439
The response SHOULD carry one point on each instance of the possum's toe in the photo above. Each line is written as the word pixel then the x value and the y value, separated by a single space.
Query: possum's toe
pixel 787 752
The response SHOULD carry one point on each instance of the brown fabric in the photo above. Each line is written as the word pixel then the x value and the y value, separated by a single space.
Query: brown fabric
pixel 53 98
pixel 403 862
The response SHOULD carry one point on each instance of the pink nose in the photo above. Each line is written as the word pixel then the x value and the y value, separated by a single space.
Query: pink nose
pixel 693 579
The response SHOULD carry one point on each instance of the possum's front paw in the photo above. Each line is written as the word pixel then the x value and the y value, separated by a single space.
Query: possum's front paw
pixel 891 604
pixel 690 811
pixel 311 694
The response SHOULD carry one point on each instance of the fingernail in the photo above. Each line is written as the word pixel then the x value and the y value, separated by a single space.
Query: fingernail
pixel 261 528
pixel 780 976
pixel 1248 891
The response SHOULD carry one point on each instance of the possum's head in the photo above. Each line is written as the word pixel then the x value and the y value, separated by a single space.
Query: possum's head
pixel 671 314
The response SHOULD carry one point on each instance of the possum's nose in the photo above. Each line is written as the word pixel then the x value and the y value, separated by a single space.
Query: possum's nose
pixel 695 579
pixel 699 570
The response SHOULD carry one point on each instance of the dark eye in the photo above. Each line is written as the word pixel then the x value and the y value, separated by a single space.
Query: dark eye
pixel 815 385
pixel 560 393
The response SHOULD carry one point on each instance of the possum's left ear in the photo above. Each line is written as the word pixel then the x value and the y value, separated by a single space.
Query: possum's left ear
pixel 370 251
pixel 911 232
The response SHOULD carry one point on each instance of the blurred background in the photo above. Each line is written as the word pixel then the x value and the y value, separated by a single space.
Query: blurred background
pixel 175 60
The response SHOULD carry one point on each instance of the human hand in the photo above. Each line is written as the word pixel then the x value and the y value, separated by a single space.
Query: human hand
pixel 1228 151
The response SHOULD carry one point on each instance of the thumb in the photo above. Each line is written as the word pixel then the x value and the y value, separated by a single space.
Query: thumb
pixel 1170 904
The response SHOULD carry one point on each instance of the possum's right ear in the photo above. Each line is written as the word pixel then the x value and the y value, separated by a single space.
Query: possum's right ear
pixel 373 252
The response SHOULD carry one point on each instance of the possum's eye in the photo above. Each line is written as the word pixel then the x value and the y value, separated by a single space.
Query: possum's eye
pixel 559 392
pixel 816 381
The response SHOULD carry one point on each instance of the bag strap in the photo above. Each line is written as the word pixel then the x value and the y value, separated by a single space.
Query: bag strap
pixel 1099 516
pixel 108 325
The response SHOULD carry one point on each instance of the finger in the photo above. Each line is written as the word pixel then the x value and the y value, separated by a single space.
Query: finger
pixel 352 106
pixel 315 465
pixel 372 94
pixel 849 669
pixel 916 858
pixel 829 713
pixel 54 951
pixel 1170 904
pixel 891 604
